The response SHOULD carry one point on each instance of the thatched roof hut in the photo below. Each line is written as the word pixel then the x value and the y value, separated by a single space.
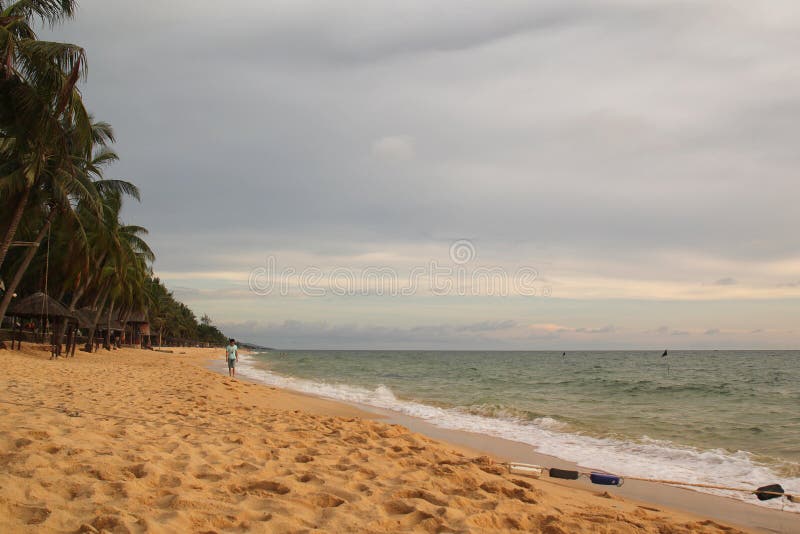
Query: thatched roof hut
pixel 85 317
pixel 102 325
pixel 39 305
pixel 138 318
pixel 133 317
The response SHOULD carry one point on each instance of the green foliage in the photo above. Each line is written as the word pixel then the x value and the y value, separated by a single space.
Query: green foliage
pixel 210 334
pixel 173 319
pixel 53 156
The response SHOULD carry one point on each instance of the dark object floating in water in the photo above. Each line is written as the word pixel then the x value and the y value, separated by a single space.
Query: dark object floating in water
pixel 665 353
pixel 564 354
pixel 563 473
pixel 765 493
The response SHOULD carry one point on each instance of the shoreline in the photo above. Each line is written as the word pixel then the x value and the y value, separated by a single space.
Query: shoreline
pixel 137 441
pixel 738 512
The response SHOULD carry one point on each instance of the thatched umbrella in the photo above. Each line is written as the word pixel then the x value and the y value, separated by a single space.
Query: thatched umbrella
pixel 41 306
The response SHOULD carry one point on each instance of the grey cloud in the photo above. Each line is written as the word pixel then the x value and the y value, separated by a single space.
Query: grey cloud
pixel 608 129
pixel 665 330
pixel 357 32
pixel 603 330
pixel 711 332
pixel 488 326
pixel 238 291
pixel 287 148
pixel 726 282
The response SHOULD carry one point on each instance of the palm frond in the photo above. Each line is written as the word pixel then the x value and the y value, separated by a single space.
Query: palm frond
pixel 48 11
pixel 118 186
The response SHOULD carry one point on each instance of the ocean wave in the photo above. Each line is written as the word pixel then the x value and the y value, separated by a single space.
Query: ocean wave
pixel 644 457
pixel 509 413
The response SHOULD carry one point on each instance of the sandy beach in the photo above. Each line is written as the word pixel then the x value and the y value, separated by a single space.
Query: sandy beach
pixel 143 441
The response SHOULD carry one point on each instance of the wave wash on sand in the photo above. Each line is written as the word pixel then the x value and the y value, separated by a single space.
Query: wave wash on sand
pixel 202 452
pixel 647 458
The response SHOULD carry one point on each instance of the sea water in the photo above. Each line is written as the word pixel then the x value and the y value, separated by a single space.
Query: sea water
pixel 715 417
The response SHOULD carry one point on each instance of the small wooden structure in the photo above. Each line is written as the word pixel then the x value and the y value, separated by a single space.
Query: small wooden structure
pixel 42 307
pixel 137 324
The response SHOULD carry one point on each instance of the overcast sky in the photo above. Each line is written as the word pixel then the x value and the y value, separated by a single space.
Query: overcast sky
pixel 639 157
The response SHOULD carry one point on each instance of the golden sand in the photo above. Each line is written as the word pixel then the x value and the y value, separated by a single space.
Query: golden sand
pixel 189 450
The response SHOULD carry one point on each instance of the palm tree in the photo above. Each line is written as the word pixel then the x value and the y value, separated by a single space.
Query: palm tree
pixel 120 260
pixel 71 193
pixel 39 104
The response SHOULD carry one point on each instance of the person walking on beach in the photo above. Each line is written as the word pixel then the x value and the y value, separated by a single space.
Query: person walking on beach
pixel 232 354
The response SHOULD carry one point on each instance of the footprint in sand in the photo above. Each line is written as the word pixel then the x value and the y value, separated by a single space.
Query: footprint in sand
pixel 424 495
pixel 521 483
pixel 208 475
pixel 310 477
pixel 79 491
pixel 247 467
pixel 326 500
pixel 366 474
pixel 137 470
pixel 169 481
pixel 32 515
pixel 262 487
pixel 398 508
pixel 110 523
pixel 520 494
pixel 116 490
pixel 344 467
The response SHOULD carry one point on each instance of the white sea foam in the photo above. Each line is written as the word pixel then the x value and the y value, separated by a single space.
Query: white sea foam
pixel 646 458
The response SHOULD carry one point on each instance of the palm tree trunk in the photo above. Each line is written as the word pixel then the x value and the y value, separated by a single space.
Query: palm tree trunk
pixel 97 315
pixel 77 296
pixel 12 227
pixel 97 298
pixel 78 293
pixel 124 321
pixel 62 327
pixel 108 326
pixel 9 294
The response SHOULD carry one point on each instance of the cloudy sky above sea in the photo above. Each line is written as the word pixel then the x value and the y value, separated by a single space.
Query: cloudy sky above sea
pixel 459 174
